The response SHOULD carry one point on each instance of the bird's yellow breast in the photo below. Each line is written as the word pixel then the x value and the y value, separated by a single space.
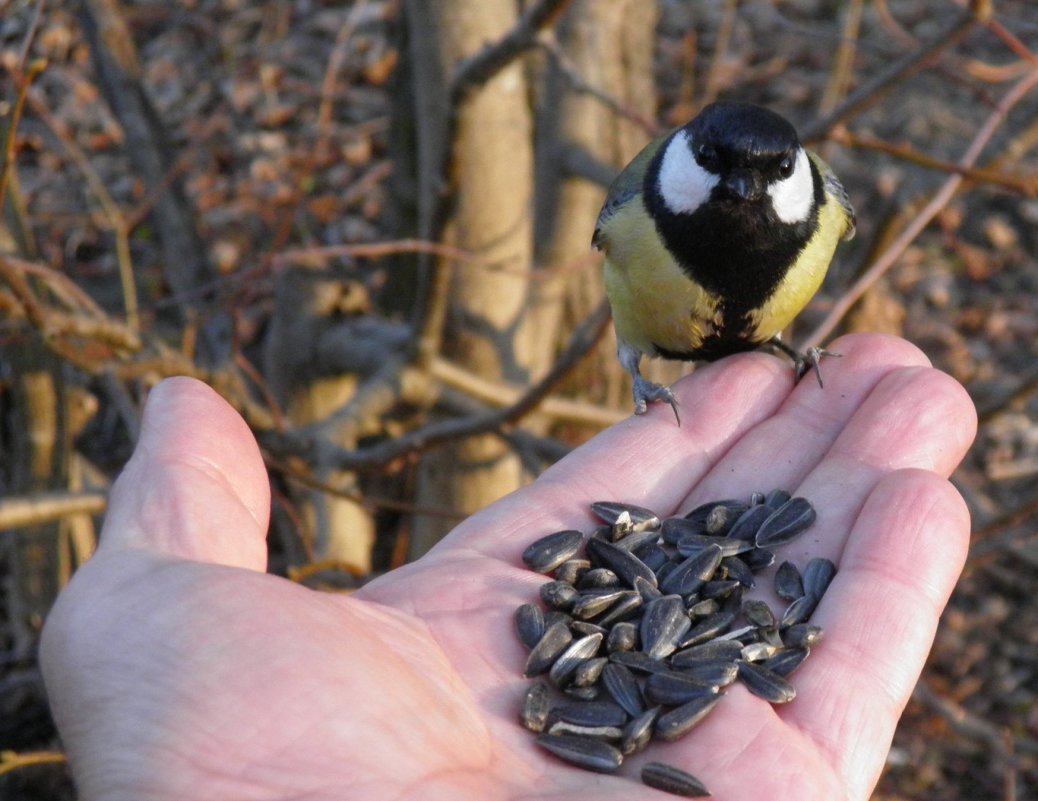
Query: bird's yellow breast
pixel 654 302
pixel 805 276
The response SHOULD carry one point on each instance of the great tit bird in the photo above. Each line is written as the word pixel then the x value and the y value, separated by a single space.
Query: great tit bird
pixel 716 236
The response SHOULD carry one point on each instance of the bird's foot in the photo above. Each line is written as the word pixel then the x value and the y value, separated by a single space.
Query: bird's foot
pixel 802 362
pixel 646 392
pixel 810 360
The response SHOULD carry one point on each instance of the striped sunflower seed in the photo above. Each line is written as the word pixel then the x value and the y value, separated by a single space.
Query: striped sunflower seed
pixel 766 683
pixel 547 553
pixel 675 781
pixel 786 523
pixel 585 752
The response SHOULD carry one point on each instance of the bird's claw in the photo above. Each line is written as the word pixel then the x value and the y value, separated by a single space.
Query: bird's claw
pixel 646 392
pixel 810 360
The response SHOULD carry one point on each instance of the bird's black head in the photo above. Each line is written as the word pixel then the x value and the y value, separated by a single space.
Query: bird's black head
pixel 734 153
pixel 735 198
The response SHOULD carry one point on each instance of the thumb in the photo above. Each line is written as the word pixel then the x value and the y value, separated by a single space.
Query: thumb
pixel 196 487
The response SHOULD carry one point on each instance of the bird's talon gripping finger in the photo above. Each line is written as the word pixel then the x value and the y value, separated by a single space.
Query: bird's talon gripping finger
pixel 646 392
pixel 812 358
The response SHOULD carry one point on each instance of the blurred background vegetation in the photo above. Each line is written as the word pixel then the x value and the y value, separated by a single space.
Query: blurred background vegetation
pixel 367 225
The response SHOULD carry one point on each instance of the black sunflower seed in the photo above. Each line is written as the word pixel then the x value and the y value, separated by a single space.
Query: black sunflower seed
pixel 786 523
pixel 675 781
pixel 549 552
pixel 585 752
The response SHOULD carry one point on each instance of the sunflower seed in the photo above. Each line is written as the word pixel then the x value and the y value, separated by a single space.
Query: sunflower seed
pixel 555 640
pixel 757 498
pixel 533 713
pixel 626 607
pixel 672 780
pixel 704 608
pixel 786 523
pixel 786 661
pixel 562 671
pixel 595 602
pixel 737 569
pixel 693 573
pixel 652 555
pixel 598 578
pixel 758 559
pixel 765 683
pixel 674 528
pixel 559 595
pixel 719 588
pixel 549 552
pixel 637 540
pixel 572 570
pixel 758 651
pixel 691 544
pixel 606 733
pixel 727 650
pixel 776 498
pixel 702 512
pixel 594 713
pixel 719 520
pixel 708 628
pixel 758 613
pixel 647 590
pixel 638 732
pixel 749 522
pixel 802 635
pixel 681 720
pixel 529 624
pixel 799 611
pixel 788 584
pixel 589 671
pixel 591 693
pixel 674 689
pixel 663 625
pixel 622 637
pixel 625 565
pixel 640 517
pixel 623 688
pixel 638 661
pixel 818 575
pixel 714 672
pixel 584 752
pixel 582 628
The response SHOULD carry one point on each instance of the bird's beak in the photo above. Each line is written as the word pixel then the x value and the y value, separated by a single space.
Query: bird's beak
pixel 745 184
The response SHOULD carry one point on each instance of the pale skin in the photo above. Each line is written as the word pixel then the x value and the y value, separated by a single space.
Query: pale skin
pixel 178 669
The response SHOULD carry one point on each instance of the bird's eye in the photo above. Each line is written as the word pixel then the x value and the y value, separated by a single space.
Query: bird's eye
pixel 786 166
pixel 706 155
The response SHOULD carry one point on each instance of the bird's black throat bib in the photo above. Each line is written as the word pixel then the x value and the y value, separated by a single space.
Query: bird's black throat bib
pixel 739 251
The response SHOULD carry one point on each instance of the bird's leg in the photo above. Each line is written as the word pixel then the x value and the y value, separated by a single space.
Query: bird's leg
pixel 802 362
pixel 645 391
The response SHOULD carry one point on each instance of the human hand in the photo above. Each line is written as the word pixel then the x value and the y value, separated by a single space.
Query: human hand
pixel 178 669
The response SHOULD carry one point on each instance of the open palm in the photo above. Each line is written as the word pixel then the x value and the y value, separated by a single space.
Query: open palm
pixel 178 669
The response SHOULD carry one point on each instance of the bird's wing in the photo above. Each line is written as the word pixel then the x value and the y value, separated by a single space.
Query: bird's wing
pixel 835 190
pixel 625 187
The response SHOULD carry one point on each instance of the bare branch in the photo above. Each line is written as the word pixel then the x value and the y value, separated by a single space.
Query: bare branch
pixel 887 259
pixel 45 507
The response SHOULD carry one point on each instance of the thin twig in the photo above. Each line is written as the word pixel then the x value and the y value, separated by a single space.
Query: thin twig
pixel 889 257
pixel 1027 184
pixel 870 91
pixel 583 339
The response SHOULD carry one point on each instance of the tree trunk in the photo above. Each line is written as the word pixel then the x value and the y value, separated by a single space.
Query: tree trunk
pixel 491 180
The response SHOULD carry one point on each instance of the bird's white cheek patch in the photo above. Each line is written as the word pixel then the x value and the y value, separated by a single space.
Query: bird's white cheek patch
pixel 792 197
pixel 683 184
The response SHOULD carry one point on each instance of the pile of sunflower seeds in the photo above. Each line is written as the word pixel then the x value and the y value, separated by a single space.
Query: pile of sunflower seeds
pixel 646 625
